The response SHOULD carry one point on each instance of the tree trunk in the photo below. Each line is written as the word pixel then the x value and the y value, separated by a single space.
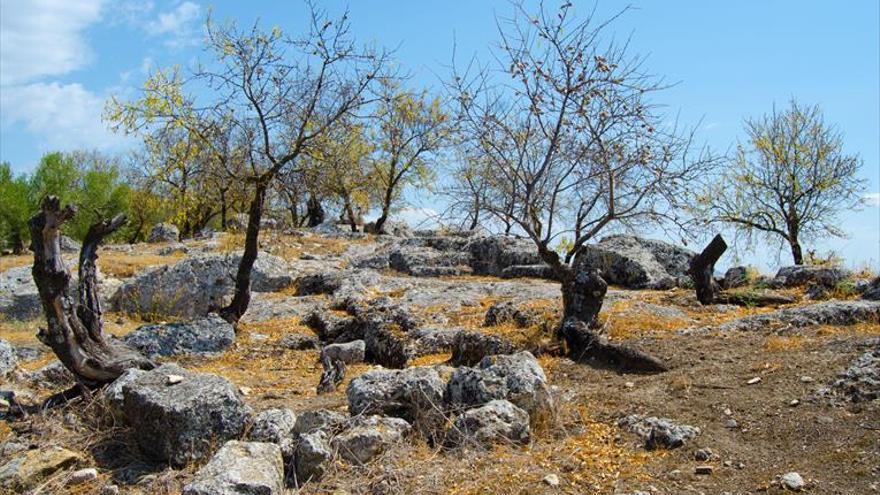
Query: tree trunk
pixel 796 252
pixel 315 212
pixel 349 211
pixel 75 331
pixel 582 295
pixel 702 270
pixel 17 243
pixel 242 296
pixel 223 209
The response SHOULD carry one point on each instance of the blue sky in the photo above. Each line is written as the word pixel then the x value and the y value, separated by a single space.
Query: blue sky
pixel 60 59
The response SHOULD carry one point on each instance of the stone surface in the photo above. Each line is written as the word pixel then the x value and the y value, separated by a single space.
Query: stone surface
pixel 8 358
pixel 200 336
pixel 801 275
pixel 114 396
pixel 860 382
pixel 82 476
pixel 414 394
pixel 313 454
pixel 638 263
pixel 53 375
pixel 736 276
pixel 319 419
pixel 27 470
pixel 182 422
pixel 494 422
pixel 348 353
pixel 69 245
pixel 517 378
pixel 273 425
pixel 196 285
pixel 369 437
pixel 823 313
pixel 792 481
pixel 241 468
pixel 300 342
pixel 470 347
pixel 163 232
pixel 658 432
pixel 872 291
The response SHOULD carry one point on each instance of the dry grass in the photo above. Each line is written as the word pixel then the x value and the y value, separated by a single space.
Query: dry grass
pixel 624 320
pixel 15 261
pixel 291 247
pixel 779 343
pixel 123 265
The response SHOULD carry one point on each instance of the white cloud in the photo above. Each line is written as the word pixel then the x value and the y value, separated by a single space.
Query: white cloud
pixel 872 199
pixel 42 38
pixel 179 23
pixel 64 116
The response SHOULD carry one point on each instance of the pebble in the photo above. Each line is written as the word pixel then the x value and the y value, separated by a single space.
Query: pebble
pixel 704 470
pixel 754 380
pixel 110 490
pixel 806 379
pixel 174 379
pixel 629 384
pixel 551 479
pixel 245 391
pixel 792 481
pixel 703 454
pixel 82 476
pixel 728 412
pixel 794 402
pixel 731 423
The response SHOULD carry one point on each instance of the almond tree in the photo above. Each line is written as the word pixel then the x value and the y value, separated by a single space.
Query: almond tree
pixel 280 94
pixel 788 182
pixel 569 133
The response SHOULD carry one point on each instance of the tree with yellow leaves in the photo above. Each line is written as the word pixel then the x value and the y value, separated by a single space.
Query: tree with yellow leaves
pixel 789 181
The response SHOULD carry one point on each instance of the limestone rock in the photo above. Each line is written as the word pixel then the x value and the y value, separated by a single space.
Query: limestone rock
pixel 238 468
pixel 496 421
pixel 199 337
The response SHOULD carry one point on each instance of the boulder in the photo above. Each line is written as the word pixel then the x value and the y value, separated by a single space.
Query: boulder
pixel 861 381
pixel 332 327
pixel 114 396
pixel 199 337
pixel 180 421
pixel 68 245
pixel 428 340
pixel 509 312
pixel 196 285
pixel 469 347
pixel 491 255
pixel 658 432
pixel 872 291
pixel 397 228
pixel 52 375
pixel 736 276
pixel 273 425
pixel 369 437
pixel 496 421
pixel 19 299
pixel 319 419
pixel 428 262
pixel 8 358
pixel 240 468
pixel 517 378
pixel 300 342
pixel 638 263
pixel 839 313
pixel 163 232
pixel 27 470
pixel 801 275
pixel 313 454
pixel 348 353
pixel 413 394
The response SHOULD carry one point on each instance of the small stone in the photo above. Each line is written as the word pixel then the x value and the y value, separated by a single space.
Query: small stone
pixel 731 423
pixel 792 481
pixel 82 476
pixel 629 384
pixel 110 490
pixel 794 402
pixel 245 390
pixel 806 379
pixel 727 463
pixel 740 465
pixel 674 473
pixel 174 379
pixel 754 380
pixel 703 454
pixel 727 412
pixel 703 470
pixel 551 480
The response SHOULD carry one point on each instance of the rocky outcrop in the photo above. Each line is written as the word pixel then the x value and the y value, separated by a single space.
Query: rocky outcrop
pixel 163 232
pixel 313 455
pixel 273 425
pixel 802 275
pixel 469 347
pixel 300 342
pixel 839 313
pixel 736 276
pixel 861 381
pixel 318 419
pixel 658 432
pixel 241 468
pixel 196 285
pixel 368 437
pixel 638 263
pixel 19 299
pixel 872 291
pixel 178 416
pixel 413 394
pixel 517 378
pixel 199 337
pixel 348 353
pixel 496 421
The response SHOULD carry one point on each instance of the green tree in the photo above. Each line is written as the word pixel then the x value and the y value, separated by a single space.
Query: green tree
pixel 15 207
pixel 788 182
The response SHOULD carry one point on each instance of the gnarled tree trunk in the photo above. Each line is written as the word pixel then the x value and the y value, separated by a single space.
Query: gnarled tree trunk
pixel 702 270
pixel 74 327
pixel 314 212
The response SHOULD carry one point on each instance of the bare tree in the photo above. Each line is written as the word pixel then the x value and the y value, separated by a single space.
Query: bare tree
pixel 74 326
pixel 570 135
pixel 789 181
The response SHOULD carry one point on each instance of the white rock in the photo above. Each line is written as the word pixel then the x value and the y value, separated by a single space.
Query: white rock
pixel 754 380
pixel 552 480
pixel 792 481
pixel 174 379
pixel 82 476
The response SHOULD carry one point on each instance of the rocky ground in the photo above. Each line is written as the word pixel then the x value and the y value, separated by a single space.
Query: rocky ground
pixel 453 382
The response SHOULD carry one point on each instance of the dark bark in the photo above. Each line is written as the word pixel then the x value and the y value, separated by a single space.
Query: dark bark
pixel 242 297
pixel 796 252
pixel 334 373
pixel 74 327
pixel 17 243
pixel 314 212
pixel 702 270
pixel 223 209
pixel 586 345
pixel 582 295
